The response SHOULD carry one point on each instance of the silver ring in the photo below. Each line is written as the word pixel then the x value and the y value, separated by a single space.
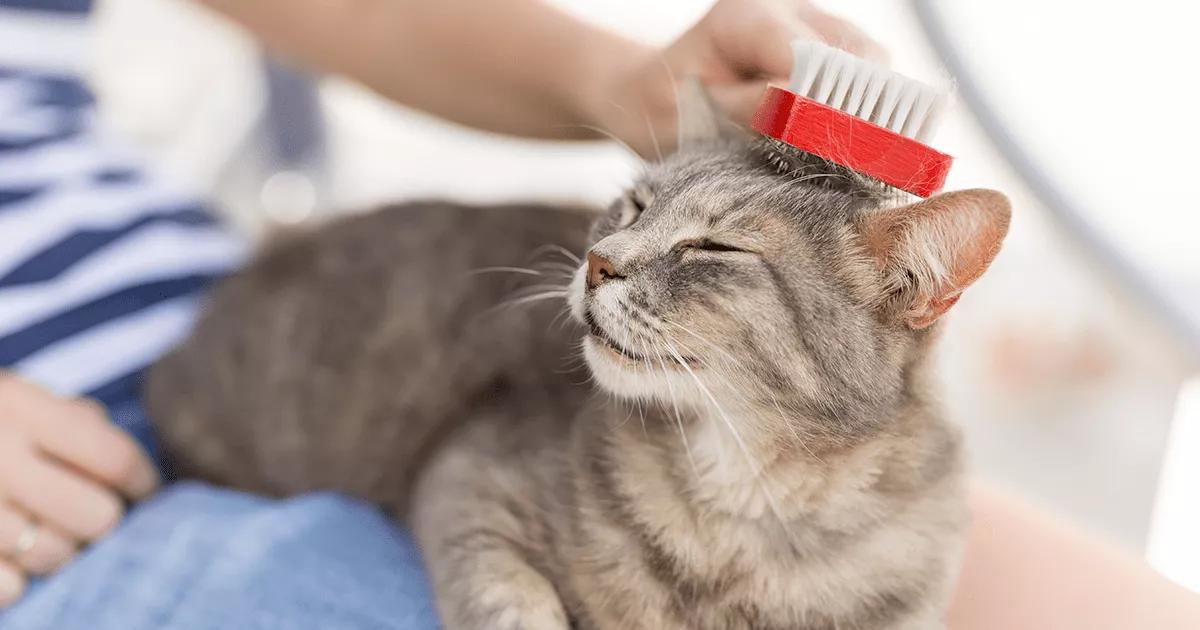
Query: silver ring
pixel 26 539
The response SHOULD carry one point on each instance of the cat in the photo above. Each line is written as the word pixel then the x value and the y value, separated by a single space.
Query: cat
pixel 760 446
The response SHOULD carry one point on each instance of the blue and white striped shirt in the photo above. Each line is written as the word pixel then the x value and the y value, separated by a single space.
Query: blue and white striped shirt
pixel 101 260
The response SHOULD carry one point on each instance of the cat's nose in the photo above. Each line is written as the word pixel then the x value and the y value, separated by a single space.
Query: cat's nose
pixel 600 270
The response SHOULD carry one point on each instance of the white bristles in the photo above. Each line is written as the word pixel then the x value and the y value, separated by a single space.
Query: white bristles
pixel 838 79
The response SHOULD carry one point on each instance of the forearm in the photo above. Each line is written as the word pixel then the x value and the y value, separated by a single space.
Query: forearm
pixel 511 66
pixel 1026 570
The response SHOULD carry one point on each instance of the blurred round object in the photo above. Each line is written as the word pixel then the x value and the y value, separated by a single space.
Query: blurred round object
pixel 289 197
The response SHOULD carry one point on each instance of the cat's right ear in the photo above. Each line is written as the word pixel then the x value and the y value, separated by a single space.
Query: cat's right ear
pixel 699 120
pixel 930 251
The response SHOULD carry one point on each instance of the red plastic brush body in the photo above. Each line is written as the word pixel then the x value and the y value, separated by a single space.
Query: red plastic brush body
pixel 852 142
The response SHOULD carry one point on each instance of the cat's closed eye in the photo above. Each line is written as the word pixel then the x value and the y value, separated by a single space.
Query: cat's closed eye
pixel 704 244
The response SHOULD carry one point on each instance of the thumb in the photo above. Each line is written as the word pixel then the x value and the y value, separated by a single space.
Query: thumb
pixel 754 39
pixel 738 100
pixel 844 34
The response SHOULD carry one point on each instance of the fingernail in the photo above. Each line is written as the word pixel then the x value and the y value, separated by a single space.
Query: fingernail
pixel 145 482
pixel 100 514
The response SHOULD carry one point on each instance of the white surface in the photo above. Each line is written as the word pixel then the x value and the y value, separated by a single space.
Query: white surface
pixel 1105 94
pixel 1174 547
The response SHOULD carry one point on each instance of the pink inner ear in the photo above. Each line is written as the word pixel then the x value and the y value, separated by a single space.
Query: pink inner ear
pixel 979 246
pixel 948 241
pixel 932 312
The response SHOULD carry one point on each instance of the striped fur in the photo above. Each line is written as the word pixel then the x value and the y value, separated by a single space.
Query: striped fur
pixel 766 451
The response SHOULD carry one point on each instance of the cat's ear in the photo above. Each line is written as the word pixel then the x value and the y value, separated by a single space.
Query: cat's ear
pixel 930 251
pixel 700 120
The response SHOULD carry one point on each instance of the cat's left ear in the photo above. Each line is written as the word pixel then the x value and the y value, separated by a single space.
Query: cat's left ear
pixel 699 120
pixel 932 250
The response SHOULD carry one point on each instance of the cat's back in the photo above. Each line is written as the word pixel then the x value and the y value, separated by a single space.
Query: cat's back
pixel 341 354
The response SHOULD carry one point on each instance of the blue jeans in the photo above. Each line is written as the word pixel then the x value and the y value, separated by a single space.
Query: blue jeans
pixel 202 558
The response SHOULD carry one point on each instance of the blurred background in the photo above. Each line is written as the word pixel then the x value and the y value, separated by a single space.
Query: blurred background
pixel 1067 361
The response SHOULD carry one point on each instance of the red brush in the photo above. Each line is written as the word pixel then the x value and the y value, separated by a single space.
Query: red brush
pixel 859 115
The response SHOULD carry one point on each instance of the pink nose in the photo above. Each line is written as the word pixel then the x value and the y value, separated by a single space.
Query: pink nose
pixel 600 270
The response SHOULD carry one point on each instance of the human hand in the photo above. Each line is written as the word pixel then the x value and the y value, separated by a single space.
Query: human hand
pixel 64 470
pixel 735 50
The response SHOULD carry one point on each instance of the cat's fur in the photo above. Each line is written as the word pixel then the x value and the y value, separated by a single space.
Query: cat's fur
pixel 769 456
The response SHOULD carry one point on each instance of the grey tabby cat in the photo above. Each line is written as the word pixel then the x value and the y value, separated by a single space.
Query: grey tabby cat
pixel 769 455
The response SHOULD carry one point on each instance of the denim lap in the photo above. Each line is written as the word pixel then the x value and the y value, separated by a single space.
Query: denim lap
pixel 201 558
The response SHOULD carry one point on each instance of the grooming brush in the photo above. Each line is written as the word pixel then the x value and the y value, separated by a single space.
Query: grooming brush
pixel 859 115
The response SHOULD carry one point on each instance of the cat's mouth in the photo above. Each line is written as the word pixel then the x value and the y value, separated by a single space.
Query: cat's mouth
pixel 603 338
pixel 607 342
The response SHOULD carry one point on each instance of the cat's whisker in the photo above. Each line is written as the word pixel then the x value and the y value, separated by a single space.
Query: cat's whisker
pixel 628 415
pixel 737 363
pixel 641 415
pixel 645 353
pixel 529 299
pixel 565 269
pixel 674 82
pixel 557 249
pixel 552 260
pixel 538 289
pixel 626 336
pixel 573 361
pixel 738 369
pixel 733 362
pixel 799 440
pixel 658 152
pixel 526 294
pixel 784 417
pixel 716 405
pixel 519 270
pixel 589 378
pixel 548 285
pixel 757 470
pixel 562 317
pixel 604 132
pixel 678 418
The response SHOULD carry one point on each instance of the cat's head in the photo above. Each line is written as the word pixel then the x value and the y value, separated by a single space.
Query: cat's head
pixel 738 275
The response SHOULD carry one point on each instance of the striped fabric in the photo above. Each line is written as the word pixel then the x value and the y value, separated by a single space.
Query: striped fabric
pixel 101 261
pixel 56 6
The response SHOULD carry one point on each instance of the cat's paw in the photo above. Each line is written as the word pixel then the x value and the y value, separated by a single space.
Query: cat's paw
pixel 536 618
pixel 519 601
pixel 523 607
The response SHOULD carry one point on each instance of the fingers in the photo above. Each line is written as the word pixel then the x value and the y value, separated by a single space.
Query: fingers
pixel 50 550
pixel 754 38
pixel 57 496
pixel 63 471
pixel 12 584
pixel 739 100
pixel 79 433
pixel 98 448
pixel 844 34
